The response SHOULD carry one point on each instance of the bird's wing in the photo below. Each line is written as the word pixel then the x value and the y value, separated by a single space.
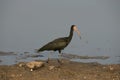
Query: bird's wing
pixel 56 44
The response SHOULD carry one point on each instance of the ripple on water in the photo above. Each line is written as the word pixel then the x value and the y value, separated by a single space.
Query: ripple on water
pixel 9 59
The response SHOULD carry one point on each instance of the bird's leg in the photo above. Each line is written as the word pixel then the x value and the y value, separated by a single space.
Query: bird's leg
pixel 59 61
pixel 47 60
pixel 49 56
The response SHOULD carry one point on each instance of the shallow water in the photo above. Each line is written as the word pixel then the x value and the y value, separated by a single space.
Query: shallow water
pixel 111 60
pixel 26 57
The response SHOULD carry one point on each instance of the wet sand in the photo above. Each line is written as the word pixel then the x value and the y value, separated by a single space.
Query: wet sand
pixel 69 70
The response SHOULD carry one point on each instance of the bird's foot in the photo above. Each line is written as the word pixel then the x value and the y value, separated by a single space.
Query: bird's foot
pixel 47 60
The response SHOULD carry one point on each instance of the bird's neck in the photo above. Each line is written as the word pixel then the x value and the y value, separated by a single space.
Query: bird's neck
pixel 70 35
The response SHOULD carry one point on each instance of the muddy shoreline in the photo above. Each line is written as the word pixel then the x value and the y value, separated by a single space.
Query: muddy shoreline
pixel 69 70
pixel 9 58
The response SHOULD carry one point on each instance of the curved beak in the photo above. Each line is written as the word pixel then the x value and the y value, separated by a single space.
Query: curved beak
pixel 78 32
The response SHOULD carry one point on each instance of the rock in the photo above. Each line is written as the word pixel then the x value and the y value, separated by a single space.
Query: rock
pixel 34 64
pixel 84 77
pixel 51 67
pixel 111 68
pixel 21 64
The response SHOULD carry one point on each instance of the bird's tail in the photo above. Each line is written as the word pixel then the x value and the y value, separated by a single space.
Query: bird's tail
pixel 39 50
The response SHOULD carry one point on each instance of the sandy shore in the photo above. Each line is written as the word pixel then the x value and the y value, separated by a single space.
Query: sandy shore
pixel 67 71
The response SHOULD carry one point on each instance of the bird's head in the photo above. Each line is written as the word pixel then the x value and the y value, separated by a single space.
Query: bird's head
pixel 74 27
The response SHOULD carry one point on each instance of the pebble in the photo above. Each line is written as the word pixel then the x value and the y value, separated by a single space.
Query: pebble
pixel 51 67
pixel 111 68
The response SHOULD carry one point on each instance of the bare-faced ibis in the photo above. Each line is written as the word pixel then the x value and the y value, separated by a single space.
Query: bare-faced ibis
pixel 60 43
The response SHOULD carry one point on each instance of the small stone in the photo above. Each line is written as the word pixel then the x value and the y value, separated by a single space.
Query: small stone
pixel 20 75
pixel 104 67
pixel 20 65
pixel 85 77
pixel 12 75
pixel 51 67
pixel 31 69
pixel 111 68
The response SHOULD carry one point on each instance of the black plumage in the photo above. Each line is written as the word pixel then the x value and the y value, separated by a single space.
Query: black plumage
pixel 60 43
